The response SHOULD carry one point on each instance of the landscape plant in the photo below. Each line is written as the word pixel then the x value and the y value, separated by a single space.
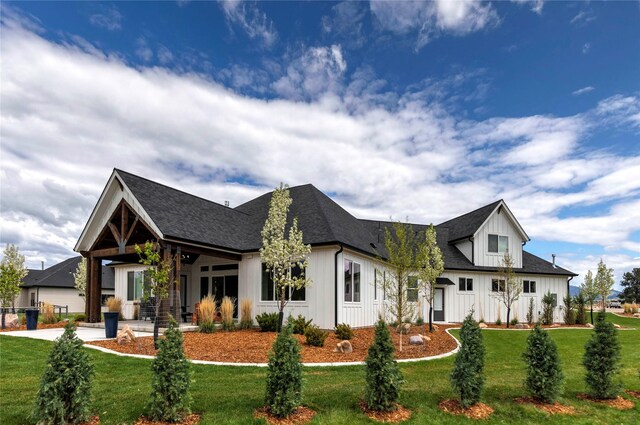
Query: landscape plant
pixel 544 373
pixel 284 375
pixel 315 336
pixel 114 305
pixel 631 286
pixel 281 253
pixel 602 360
pixel 530 312
pixel 207 311
pixel 227 306
pixel 299 324
pixel 12 271
pixel 48 314
pixel 467 376
pixel 268 322
pixel 510 292
pixel 630 308
pixel 547 309
pixel 65 388
pixel 569 314
pixel 169 399
pixel 383 379
pixel 246 317
pixel 430 266
pixel 343 331
pixel 603 282
pixel 80 278
pixel 589 290
pixel 581 309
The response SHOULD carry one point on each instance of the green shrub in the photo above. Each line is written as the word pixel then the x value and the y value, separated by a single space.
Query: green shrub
pixel 268 322
pixel 343 331
pixel 170 399
pixel 300 324
pixel 547 309
pixel 602 360
pixel 513 321
pixel 544 373
pixel 284 375
pixel 65 388
pixel 207 327
pixel 581 309
pixel 315 336
pixel 80 317
pixel 530 312
pixel 419 321
pixel 569 314
pixel 499 322
pixel 467 375
pixel 382 375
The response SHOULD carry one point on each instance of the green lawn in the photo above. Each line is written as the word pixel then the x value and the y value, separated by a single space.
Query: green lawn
pixel 228 395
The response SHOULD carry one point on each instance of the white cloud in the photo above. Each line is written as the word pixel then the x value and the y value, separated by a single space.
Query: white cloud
pixel 583 90
pixel 251 20
pixel 143 51
pixel 108 18
pixel 583 18
pixel 164 55
pixel 585 48
pixel 536 5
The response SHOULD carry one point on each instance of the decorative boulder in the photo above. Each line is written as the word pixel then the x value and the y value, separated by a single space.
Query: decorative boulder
pixel 555 325
pixel 416 340
pixel 636 314
pixel 125 335
pixel 521 326
pixel 11 320
pixel 589 325
pixel 483 325
pixel 617 326
pixel 436 327
pixel 343 347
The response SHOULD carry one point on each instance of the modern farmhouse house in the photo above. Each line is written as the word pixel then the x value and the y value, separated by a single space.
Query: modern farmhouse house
pixel 215 250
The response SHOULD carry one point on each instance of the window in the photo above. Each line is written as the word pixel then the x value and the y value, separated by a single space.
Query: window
pixel 136 284
pixel 555 300
pixel 465 284
pixel 269 288
pixel 375 284
pixel 351 281
pixel 498 244
pixel 497 285
pixel 529 286
pixel 412 288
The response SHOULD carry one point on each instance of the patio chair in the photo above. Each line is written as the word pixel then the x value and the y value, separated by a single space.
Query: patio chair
pixel 147 309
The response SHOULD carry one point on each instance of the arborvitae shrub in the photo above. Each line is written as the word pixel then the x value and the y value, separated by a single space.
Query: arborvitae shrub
pixel 299 324
pixel 170 399
pixel 601 360
pixel 530 312
pixel 569 314
pixel 284 375
pixel 382 375
pixel 343 331
pixel 315 336
pixel 65 388
pixel 544 373
pixel 268 322
pixel 581 309
pixel 466 378
pixel 547 309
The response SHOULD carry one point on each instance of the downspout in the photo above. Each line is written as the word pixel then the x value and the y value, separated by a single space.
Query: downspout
pixel 569 285
pixel 336 285
pixel 473 261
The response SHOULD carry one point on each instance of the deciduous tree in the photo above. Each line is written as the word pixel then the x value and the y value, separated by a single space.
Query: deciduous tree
pixel 508 293
pixel 430 267
pixel 12 271
pixel 80 278
pixel 589 290
pixel 603 282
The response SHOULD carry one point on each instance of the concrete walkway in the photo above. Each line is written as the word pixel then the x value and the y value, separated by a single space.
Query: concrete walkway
pixel 85 334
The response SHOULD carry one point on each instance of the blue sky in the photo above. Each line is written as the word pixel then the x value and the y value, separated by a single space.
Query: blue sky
pixel 406 109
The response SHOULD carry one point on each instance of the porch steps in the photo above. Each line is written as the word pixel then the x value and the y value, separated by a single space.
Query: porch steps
pixel 139 326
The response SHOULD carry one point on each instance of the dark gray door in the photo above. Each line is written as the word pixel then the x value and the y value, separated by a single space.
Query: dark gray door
pixel 438 305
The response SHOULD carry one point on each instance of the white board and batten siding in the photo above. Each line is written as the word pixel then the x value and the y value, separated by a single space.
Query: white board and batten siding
pixel 497 224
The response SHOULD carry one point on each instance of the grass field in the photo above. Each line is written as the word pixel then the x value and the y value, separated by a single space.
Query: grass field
pixel 228 395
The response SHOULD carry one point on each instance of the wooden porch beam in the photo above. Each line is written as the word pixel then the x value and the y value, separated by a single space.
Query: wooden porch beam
pixel 110 252
pixel 133 226
pixel 124 220
pixel 114 231
pixel 210 252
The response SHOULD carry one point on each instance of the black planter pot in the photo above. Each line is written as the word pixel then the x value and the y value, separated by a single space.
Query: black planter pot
pixel 111 324
pixel 32 319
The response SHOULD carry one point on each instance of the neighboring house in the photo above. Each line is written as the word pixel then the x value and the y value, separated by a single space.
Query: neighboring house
pixel 55 285
pixel 214 249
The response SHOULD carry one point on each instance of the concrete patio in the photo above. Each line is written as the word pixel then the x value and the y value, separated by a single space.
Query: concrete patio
pixel 84 333
pixel 139 326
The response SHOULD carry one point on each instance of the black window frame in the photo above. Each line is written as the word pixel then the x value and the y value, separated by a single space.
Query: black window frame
pixel 498 285
pixel 267 286
pixel 352 286
pixel 412 289
pixel 529 287
pixel 465 284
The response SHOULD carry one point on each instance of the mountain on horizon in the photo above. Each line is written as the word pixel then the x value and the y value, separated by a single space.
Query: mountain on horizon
pixel 575 290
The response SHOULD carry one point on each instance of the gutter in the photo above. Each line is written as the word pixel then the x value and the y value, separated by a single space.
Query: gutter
pixel 338 252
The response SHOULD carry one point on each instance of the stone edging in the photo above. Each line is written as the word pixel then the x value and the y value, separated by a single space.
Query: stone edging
pixel 206 362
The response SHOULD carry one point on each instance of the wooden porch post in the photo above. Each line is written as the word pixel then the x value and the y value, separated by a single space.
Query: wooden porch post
pixel 87 291
pixel 177 302
pixel 96 289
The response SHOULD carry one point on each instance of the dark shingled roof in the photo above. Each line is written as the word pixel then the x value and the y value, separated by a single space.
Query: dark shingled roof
pixel 61 276
pixel 322 221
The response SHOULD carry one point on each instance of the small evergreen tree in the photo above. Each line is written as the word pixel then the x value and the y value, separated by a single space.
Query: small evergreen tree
pixel 602 360
pixel 170 399
pixel 284 375
pixel 530 312
pixel 382 375
pixel 569 314
pixel 466 377
pixel 547 309
pixel 581 308
pixel 65 388
pixel 544 373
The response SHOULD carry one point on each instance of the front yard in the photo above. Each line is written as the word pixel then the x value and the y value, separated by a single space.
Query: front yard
pixel 228 395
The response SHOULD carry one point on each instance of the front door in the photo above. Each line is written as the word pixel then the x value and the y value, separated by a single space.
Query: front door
pixel 438 306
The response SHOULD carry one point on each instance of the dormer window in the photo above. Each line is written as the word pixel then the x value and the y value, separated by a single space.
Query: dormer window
pixel 498 244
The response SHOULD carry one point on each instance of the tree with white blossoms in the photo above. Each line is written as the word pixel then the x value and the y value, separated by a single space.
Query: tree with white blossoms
pixel 510 291
pixel 80 278
pixel 589 290
pixel 12 271
pixel 279 253
pixel 430 267
pixel 603 282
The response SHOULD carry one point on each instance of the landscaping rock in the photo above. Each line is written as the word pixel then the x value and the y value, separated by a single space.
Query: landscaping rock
pixel 11 320
pixel 483 325
pixel 521 326
pixel 425 338
pixel 125 336
pixel 436 327
pixel 416 340
pixel 617 326
pixel 636 314
pixel 343 347
pixel 589 325
pixel 555 325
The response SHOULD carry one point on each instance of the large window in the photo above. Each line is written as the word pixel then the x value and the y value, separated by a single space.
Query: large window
pixel 497 285
pixel 529 286
pixel 412 288
pixel 375 284
pixel 269 288
pixel 465 284
pixel 351 281
pixel 136 285
pixel 498 244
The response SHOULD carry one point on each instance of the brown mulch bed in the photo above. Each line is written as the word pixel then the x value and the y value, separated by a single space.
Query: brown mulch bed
pixel 554 409
pixel 40 326
pixel 632 393
pixel 398 415
pixel 191 419
pixel 95 420
pixel 252 346
pixel 301 415
pixel 477 411
pixel 617 403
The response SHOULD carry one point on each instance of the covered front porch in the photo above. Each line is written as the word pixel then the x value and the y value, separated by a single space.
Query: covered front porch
pixel 139 326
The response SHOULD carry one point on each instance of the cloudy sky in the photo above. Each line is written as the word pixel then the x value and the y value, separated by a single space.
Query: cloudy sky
pixel 407 110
